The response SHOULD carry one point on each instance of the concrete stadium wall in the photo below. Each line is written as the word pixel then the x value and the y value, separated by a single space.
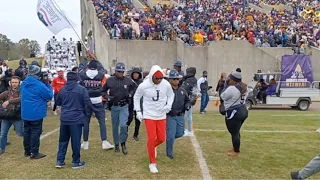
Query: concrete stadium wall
pixel 138 5
pixel 226 56
pixel 193 57
pixel 315 54
pixel 257 8
pixel 218 57
pixel 280 7
pixel 143 53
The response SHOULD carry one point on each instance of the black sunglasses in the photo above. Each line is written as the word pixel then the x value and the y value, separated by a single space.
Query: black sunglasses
pixel 158 79
pixel 120 71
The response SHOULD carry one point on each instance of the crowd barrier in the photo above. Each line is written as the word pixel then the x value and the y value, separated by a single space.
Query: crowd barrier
pixel 218 57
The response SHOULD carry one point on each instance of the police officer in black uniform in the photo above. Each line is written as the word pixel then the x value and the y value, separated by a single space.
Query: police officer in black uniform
pixel 175 120
pixel 121 89
pixel 136 76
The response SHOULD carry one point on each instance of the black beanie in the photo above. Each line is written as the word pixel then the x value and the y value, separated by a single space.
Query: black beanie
pixel 72 76
pixel 93 65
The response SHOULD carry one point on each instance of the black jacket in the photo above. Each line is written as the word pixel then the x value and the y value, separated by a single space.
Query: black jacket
pixel 189 81
pixel 75 103
pixel 137 82
pixel 120 89
pixel 181 102
pixel 220 86
pixel 140 79
pixel 93 85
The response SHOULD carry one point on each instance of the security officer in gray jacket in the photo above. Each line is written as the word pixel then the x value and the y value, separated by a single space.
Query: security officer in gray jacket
pixel 175 119
pixel 121 89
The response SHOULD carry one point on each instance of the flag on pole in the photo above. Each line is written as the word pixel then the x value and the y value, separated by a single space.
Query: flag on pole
pixel 51 17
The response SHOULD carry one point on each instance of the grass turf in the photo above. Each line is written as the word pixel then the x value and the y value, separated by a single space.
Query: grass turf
pixel 15 63
pixel 270 155
pixel 100 163
pixel 263 155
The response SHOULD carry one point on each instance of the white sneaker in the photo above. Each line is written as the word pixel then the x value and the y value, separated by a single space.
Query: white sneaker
pixel 55 113
pixel 188 133
pixel 85 145
pixel 318 130
pixel 107 145
pixel 153 168
pixel 185 132
pixel 155 152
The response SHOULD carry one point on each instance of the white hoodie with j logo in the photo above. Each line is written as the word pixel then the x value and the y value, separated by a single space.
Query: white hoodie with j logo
pixel 157 98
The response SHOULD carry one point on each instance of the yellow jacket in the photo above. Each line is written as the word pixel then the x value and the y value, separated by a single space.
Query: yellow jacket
pixel 198 38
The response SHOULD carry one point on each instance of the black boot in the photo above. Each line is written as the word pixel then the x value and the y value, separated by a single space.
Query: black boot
pixel 116 148
pixel 124 148
pixel 295 175
pixel 27 154
pixel 170 156
pixel 136 138
pixel 37 156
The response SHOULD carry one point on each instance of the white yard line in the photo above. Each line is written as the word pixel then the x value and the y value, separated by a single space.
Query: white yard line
pixel 202 161
pixel 257 131
pixel 49 133
pixel 293 115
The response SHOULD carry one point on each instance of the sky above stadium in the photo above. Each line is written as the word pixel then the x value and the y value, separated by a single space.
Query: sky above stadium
pixel 18 19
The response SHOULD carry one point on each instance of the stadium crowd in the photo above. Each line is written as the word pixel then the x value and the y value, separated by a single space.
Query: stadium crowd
pixel 207 21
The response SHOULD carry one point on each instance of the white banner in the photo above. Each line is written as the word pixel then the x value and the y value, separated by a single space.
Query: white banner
pixel 51 17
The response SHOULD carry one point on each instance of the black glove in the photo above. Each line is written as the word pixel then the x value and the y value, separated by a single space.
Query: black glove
pixel 187 107
pixel 109 104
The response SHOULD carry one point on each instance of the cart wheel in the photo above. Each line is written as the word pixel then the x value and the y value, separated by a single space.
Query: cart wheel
pixel 248 104
pixel 303 105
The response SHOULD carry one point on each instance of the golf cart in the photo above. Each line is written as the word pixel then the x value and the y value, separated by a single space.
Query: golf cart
pixel 295 94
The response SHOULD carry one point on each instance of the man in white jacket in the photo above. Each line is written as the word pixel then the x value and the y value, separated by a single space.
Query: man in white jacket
pixel 158 97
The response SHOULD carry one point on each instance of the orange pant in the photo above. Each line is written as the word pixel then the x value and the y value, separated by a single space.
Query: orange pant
pixel 156 132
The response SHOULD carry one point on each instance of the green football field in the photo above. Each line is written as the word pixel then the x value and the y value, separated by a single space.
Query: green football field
pixel 274 142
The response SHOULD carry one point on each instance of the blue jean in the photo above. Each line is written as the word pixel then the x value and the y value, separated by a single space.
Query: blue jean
pixel 5 126
pixel 100 114
pixel 119 116
pixel 31 136
pixel 204 101
pixel 175 129
pixel 189 119
pixel 67 132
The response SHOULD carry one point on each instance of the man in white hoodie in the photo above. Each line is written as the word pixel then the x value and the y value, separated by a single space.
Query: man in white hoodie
pixel 158 97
